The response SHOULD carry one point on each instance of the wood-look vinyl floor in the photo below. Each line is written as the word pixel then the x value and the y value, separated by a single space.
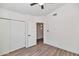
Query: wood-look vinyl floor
pixel 41 50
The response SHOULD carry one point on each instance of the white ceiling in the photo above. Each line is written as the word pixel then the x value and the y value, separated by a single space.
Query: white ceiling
pixel 25 8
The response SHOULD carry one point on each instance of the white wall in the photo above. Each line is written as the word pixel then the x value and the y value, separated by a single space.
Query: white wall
pixel 64 28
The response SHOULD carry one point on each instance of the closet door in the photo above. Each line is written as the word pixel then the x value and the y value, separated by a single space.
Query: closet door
pixel 17 35
pixel 4 36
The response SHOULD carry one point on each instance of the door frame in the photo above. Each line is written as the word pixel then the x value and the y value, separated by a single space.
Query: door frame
pixel 43 31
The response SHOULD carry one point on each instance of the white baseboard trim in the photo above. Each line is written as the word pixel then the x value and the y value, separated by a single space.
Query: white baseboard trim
pixel 72 51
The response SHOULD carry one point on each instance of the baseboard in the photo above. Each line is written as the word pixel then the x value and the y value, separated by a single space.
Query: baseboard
pixel 1 54
pixel 16 49
pixel 62 48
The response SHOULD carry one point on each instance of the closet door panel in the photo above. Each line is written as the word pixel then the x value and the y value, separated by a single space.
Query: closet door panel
pixel 17 35
pixel 4 36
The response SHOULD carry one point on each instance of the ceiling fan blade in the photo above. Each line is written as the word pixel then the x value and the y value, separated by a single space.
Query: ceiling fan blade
pixel 33 4
pixel 42 6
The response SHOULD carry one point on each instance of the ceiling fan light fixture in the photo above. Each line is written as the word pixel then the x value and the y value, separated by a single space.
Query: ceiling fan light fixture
pixel 41 4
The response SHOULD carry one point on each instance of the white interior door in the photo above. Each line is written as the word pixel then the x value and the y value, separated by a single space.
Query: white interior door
pixel 17 35
pixel 31 34
pixel 4 36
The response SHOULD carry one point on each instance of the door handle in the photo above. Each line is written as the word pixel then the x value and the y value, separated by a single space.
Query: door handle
pixel 29 35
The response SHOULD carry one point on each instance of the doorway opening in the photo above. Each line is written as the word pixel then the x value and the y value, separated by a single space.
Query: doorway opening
pixel 40 33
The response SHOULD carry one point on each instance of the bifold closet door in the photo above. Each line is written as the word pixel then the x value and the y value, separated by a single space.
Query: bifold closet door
pixel 17 35
pixel 4 36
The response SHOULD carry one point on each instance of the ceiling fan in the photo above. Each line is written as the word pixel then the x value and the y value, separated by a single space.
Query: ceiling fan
pixel 42 6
